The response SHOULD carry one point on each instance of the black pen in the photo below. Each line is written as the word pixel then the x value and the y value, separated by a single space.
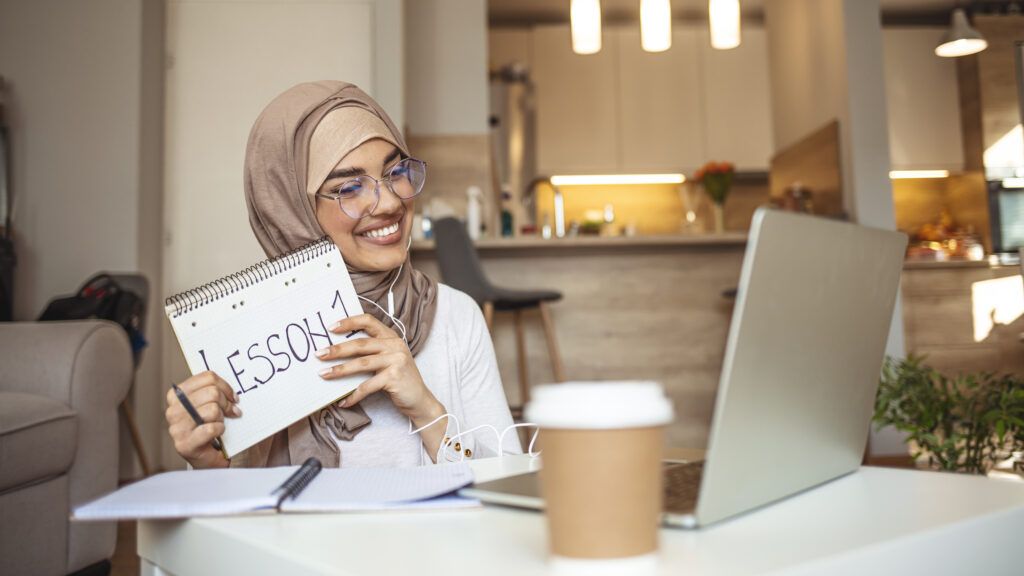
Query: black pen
pixel 196 417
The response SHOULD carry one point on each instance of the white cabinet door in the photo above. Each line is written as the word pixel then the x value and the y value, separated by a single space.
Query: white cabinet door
pixel 576 110
pixel 737 100
pixel 625 110
pixel 660 119
pixel 924 109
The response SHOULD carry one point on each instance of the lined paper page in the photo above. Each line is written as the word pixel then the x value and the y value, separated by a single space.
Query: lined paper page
pixel 188 493
pixel 341 489
pixel 261 340
pixel 230 491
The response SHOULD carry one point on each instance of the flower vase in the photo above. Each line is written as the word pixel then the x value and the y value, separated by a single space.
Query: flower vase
pixel 719 212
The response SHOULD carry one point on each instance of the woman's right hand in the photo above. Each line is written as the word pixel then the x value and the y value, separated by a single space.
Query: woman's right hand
pixel 213 398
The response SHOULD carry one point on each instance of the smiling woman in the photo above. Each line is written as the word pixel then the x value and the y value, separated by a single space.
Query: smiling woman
pixel 324 159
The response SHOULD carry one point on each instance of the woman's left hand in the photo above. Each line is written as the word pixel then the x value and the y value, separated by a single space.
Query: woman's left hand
pixel 386 355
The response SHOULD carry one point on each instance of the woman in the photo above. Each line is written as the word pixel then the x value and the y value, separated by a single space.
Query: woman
pixel 324 159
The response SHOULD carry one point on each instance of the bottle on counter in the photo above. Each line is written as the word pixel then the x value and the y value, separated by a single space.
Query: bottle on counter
pixel 427 224
pixel 507 226
pixel 608 228
pixel 474 211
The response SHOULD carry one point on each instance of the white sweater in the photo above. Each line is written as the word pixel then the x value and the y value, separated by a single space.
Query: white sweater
pixel 458 365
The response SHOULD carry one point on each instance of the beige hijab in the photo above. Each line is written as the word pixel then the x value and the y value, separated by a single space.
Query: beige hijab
pixel 297 140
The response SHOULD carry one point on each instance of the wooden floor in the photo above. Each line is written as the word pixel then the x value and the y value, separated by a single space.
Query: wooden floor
pixel 125 561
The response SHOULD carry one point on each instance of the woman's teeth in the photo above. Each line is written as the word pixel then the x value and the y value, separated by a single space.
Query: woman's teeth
pixel 381 232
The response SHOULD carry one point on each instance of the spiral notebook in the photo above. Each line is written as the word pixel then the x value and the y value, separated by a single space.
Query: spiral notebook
pixel 231 491
pixel 259 328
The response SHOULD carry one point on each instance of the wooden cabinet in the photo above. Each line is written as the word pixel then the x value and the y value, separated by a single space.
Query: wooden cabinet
pixel 965 318
pixel 625 110
pixel 924 109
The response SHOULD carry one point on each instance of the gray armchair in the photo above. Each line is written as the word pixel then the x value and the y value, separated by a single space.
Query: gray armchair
pixel 60 385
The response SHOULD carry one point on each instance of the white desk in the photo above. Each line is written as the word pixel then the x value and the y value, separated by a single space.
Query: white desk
pixel 874 521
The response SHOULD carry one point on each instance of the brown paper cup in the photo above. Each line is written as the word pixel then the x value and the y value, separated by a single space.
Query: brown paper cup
pixel 603 491
pixel 602 445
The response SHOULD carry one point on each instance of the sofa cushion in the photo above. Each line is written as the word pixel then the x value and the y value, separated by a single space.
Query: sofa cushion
pixel 37 438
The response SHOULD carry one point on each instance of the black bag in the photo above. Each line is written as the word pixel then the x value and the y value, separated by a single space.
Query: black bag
pixel 7 260
pixel 101 297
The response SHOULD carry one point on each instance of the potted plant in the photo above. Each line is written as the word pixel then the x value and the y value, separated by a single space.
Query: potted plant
pixel 965 424
pixel 716 177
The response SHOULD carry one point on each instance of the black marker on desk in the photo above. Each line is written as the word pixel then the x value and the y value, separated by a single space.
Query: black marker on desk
pixel 196 417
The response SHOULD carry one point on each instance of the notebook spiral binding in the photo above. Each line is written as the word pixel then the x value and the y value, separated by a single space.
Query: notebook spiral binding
pixel 190 300
pixel 298 481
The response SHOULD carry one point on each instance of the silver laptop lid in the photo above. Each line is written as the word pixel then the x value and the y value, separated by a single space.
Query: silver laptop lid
pixel 803 359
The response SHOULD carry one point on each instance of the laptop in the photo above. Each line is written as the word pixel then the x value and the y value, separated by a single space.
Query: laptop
pixel 802 363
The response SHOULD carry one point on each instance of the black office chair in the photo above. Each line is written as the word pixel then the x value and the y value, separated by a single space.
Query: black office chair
pixel 460 269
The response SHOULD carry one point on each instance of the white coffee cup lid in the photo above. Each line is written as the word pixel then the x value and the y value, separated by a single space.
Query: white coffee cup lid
pixel 598 405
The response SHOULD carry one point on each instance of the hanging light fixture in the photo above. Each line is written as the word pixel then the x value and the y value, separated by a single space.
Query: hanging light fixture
pixel 961 39
pixel 655 25
pixel 585 21
pixel 724 19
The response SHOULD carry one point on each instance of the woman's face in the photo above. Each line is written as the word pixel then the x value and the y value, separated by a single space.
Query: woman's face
pixel 362 250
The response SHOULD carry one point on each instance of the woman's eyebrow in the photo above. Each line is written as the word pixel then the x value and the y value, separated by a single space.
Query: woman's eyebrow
pixel 393 156
pixel 344 173
pixel 355 171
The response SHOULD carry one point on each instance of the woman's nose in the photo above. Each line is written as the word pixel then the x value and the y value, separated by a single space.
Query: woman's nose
pixel 389 202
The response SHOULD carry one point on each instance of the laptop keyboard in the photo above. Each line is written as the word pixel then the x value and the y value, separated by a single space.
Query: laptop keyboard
pixel 682 483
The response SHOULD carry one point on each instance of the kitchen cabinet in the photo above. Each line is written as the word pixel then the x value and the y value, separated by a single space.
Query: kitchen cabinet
pixel 660 98
pixel 576 114
pixel 737 101
pixel 922 97
pixel 627 111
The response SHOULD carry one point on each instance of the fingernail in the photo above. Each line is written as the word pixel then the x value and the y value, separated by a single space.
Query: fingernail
pixel 322 352
pixel 325 372
pixel 336 325
pixel 344 403
pixel 236 410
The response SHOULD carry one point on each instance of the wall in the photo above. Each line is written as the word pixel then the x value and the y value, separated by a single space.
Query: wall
pixel 806 55
pixel 74 77
pixel 1002 139
pixel 826 63
pixel 448 103
pixel 446 73
pixel 84 111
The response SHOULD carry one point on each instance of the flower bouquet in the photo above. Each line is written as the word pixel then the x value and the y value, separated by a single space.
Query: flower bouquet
pixel 716 177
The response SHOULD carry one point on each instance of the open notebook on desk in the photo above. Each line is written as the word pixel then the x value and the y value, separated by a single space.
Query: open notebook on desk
pixel 233 491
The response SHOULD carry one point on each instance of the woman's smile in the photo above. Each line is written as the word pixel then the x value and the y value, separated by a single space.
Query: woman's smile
pixel 383 233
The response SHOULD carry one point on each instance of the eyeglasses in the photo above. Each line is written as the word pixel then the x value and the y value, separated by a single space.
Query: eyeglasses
pixel 360 196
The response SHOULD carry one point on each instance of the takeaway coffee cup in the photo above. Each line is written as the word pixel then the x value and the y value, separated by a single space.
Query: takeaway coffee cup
pixel 601 477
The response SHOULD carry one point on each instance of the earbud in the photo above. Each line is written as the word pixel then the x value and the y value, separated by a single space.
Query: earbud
pixel 391 294
pixel 390 312
pixel 459 433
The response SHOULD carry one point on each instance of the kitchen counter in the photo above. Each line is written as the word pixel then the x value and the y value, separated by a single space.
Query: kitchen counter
pixel 728 239
pixel 948 264
pixel 633 308
pixel 658 308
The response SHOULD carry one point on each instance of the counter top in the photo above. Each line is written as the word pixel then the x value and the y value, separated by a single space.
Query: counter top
pixel 954 264
pixel 531 242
